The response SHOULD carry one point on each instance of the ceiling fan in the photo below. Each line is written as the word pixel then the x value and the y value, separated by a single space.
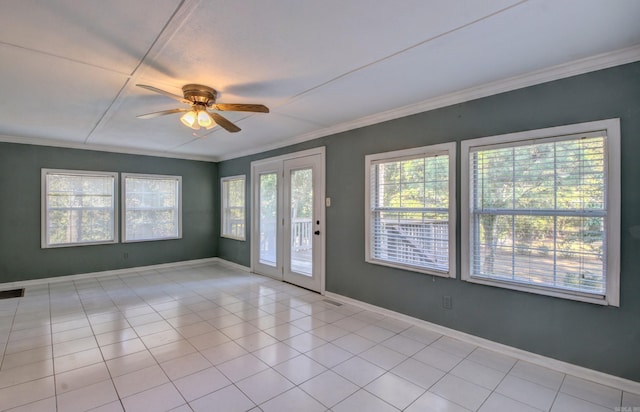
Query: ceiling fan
pixel 202 100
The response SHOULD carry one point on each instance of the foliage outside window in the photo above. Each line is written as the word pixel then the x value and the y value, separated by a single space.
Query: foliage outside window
pixel 268 217
pixel 152 207
pixel 78 208
pixel 411 209
pixel 233 207
pixel 539 218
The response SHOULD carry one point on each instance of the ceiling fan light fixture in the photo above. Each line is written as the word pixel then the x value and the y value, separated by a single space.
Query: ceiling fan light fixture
pixel 202 99
pixel 190 119
pixel 204 120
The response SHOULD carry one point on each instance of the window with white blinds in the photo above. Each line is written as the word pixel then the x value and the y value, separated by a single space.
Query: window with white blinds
pixel 152 207
pixel 233 206
pixel 411 209
pixel 78 208
pixel 538 213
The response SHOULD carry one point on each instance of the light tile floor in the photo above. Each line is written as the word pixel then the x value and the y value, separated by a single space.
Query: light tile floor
pixel 212 338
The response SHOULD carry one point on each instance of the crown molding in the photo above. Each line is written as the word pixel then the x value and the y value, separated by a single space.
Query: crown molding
pixel 561 71
pixel 101 148
pixel 574 68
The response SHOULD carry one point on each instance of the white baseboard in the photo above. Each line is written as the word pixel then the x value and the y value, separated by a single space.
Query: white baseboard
pixel 564 367
pixel 125 271
pixel 232 264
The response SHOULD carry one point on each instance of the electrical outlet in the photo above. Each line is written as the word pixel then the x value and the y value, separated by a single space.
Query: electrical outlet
pixel 447 302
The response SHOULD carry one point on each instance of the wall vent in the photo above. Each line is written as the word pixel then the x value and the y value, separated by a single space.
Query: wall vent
pixel 13 293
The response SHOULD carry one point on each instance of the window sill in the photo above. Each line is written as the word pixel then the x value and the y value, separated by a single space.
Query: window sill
pixel 151 239
pixel 59 245
pixel 410 268
pixel 541 290
pixel 241 239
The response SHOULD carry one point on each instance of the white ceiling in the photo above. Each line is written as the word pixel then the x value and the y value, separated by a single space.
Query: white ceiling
pixel 68 68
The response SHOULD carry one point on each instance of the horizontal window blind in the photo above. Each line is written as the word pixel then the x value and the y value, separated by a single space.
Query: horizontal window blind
pixel 233 207
pixel 151 207
pixel 79 208
pixel 409 212
pixel 538 213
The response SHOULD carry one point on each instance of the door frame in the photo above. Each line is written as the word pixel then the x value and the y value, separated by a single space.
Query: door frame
pixel 255 235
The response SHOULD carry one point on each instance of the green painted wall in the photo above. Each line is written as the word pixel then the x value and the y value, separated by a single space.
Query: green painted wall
pixel 602 338
pixel 237 251
pixel 21 257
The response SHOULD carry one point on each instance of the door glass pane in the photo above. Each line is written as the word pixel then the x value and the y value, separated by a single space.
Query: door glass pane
pixel 268 218
pixel 302 221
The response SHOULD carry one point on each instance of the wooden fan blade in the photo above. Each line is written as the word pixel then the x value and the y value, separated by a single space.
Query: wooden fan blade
pixel 162 113
pixel 156 90
pixel 239 107
pixel 224 123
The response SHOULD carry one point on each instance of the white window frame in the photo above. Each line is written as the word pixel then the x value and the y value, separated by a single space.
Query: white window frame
pixel 224 206
pixel 425 151
pixel 124 177
pixel 611 129
pixel 45 206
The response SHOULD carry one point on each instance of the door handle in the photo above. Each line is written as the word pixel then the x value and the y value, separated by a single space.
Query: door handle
pixel 317 232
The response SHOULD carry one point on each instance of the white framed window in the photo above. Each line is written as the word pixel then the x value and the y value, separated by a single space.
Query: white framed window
pixel 233 207
pixel 541 211
pixel 410 209
pixel 78 208
pixel 152 207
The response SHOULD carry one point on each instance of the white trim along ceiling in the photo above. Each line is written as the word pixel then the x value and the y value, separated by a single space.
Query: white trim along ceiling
pixel 69 69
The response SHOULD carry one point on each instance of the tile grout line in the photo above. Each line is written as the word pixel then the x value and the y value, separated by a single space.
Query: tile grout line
pixel 443 376
pixel 53 363
pixel 13 319
pixel 95 338
pixel 502 380
pixel 355 332
pixel 148 349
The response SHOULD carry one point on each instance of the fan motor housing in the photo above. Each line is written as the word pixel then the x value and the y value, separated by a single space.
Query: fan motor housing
pixel 199 93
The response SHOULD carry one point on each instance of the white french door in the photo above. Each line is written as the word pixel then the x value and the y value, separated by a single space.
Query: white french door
pixel 288 218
